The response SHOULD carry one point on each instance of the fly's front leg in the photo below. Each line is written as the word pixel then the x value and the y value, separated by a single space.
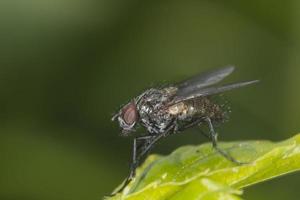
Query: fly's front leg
pixel 149 145
pixel 154 139
pixel 149 142
pixel 214 138
pixel 135 157
pixel 134 162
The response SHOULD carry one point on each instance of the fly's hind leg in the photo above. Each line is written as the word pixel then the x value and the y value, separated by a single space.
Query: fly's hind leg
pixel 192 124
pixel 213 136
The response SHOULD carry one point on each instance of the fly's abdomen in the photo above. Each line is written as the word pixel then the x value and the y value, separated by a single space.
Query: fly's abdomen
pixel 205 107
pixel 197 108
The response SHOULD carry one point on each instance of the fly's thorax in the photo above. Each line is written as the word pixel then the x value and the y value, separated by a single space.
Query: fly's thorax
pixel 177 108
pixel 151 110
pixel 170 91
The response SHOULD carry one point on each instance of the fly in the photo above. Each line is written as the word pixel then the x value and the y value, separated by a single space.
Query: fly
pixel 174 108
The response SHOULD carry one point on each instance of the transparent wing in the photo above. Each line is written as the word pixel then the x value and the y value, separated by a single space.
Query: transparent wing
pixel 203 80
pixel 211 91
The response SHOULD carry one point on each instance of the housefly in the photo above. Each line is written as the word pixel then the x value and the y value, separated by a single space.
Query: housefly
pixel 171 109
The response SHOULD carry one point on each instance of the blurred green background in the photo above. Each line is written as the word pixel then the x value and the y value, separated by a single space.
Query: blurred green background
pixel 67 65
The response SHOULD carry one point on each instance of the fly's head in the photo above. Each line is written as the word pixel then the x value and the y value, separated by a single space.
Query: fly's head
pixel 128 118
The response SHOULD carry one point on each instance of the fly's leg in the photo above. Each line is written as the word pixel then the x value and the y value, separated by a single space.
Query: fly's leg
pixel 149 145
pixel 150 141
pixel 213 136
pixel 194 123
pixel 153 140
pixel 135 157
pixel 208 136
pixel 134 162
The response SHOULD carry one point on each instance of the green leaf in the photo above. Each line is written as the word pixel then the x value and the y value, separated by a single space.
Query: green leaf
pixel 199 172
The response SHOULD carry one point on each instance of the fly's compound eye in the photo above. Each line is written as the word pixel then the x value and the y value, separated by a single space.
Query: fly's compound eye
pixel 130 114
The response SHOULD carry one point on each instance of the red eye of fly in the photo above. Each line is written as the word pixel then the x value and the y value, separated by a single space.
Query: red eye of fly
pixel 130 114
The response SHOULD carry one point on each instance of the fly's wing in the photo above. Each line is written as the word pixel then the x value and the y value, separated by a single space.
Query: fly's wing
pixel 210 91
pixel 203 80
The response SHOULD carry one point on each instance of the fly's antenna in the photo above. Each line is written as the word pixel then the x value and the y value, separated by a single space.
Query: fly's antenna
pixel 115 116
